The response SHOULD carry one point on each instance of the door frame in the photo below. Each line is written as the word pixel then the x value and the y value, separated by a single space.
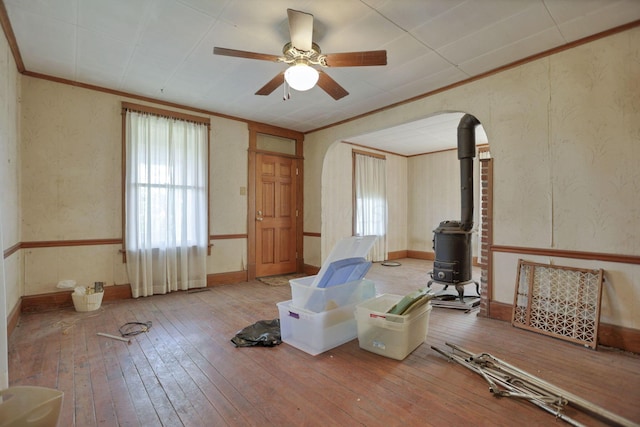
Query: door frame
pixel 254 130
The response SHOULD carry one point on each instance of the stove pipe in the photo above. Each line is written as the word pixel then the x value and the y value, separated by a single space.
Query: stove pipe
pixel 466 153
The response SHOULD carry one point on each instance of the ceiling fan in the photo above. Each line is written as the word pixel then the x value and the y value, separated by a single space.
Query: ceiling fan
pixel 301 54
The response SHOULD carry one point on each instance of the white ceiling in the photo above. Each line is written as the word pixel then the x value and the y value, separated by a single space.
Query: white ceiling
pixel 163 49
pixel 436 133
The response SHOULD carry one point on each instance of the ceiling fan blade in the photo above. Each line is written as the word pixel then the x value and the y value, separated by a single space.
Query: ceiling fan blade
pixel 357 59
pixel 330 86
pixel 244 54
pixel 300 29
pixel 272 85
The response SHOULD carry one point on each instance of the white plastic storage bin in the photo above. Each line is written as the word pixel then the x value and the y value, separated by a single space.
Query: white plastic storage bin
pixel 322 299
pixel 315 333
pixel 390 335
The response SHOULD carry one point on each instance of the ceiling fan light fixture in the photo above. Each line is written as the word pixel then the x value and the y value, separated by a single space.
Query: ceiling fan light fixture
pixel 301 76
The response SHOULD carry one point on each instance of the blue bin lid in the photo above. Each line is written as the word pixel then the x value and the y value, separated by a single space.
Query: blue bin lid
pixel 344 271
pixel 347 248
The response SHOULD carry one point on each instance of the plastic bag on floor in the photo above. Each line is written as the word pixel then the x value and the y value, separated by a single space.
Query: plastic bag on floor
pixel 264 333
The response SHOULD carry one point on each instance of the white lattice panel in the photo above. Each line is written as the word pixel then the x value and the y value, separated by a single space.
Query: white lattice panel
pixel 563 302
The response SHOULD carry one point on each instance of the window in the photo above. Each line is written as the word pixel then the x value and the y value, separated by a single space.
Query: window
pixel 370 201
pixel 165 200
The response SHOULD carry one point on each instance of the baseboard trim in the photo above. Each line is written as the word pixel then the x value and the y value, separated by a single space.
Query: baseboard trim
pixel 228 278
pixel 13 317
pixel 62 299
pixel 311 270
pixel 397 255
pixel 116 292
pixel 609 335
pixel 500 311
pixel 45 302
pixel 619 337
pixel 429 256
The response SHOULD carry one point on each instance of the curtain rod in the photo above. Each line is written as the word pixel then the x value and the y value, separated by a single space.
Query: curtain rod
pixel 127 106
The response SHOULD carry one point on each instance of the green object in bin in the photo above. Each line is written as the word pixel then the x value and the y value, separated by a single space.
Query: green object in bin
pixel 411 301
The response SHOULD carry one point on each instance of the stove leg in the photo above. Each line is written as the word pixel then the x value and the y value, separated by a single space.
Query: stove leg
pixel 460 289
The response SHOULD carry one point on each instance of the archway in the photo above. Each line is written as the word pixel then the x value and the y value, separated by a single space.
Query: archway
pixel 428 193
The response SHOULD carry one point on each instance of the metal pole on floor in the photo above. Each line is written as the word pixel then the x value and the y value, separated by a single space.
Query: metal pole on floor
pixel 520 384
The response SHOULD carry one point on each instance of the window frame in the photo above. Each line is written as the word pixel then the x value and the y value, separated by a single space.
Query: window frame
pixel 127 106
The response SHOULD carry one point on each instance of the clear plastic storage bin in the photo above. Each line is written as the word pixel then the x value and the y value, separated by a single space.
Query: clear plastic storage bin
pixel 315 333
pixel 390 335
pixel 321 299
pixel 321 313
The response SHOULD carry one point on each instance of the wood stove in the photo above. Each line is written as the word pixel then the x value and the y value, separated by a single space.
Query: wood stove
pixel 452 247
pixel 452 239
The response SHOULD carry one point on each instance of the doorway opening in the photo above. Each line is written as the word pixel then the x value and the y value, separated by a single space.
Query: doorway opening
pixel 275 185
pixel 418 161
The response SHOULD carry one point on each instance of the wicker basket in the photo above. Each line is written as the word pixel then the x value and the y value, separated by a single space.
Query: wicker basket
pixel 87 302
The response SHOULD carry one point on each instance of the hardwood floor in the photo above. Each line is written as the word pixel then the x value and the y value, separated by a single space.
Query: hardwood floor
pixel 185 370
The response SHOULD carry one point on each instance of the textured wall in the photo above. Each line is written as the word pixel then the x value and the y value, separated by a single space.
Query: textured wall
pixel 434 196
pixel 338 197
pixel 70 163
pixel 10 280
pixel 595 147
pixel 337 212
pixel 9 174
pixel 564 131
pixel 71 185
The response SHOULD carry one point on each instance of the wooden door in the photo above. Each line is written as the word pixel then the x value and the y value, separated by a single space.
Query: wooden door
pixel 275 215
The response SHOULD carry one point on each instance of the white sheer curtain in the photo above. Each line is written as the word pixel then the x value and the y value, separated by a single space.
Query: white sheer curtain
pixel 166 203
pixel 371 202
